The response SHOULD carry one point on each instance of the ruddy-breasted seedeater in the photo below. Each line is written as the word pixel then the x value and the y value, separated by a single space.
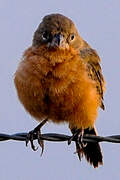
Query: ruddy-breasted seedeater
pixel 60 78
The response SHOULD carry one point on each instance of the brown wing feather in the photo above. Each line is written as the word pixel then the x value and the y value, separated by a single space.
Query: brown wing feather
pixel 92 61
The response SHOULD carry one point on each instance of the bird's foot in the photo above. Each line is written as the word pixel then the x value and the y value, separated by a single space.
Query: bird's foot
pixel 78 138
pixel 36 133
pixel 75 133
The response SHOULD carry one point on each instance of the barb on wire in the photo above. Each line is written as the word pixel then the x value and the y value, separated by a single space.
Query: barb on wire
pixel 60 137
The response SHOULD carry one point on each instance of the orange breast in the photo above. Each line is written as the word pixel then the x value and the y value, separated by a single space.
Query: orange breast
pixel 55 84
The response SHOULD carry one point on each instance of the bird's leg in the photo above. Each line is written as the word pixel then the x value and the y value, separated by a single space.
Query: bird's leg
pixel 78 138
pixel 75 133
pixel 36 132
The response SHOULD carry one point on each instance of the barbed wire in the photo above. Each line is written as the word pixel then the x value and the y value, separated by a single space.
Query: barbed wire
pixel 60 137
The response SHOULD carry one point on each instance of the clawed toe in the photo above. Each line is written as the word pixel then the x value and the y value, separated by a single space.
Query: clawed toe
pixel 80 141
pixel 40 141
pixel 30 138
pixel 78 138
pixel 73 137
pixel 36 133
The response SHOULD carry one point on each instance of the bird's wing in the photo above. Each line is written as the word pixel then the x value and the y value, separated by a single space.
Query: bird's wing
pixel 92 61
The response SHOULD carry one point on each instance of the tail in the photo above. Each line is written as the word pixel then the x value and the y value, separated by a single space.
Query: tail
pixel 91 151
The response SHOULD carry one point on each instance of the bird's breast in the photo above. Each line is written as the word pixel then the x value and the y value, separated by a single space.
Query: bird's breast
pixel 53 89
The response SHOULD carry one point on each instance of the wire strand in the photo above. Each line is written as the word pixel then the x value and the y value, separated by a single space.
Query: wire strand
pixel 60 137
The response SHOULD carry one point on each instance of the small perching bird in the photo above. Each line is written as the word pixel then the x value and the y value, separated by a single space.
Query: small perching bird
pixel 59 79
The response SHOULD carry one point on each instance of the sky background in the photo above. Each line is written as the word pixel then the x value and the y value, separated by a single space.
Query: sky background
pixel 99 24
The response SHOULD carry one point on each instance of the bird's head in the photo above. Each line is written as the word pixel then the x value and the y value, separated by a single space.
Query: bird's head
pixel 57 31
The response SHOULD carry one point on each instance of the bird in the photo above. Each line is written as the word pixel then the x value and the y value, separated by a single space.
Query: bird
pixel 59 79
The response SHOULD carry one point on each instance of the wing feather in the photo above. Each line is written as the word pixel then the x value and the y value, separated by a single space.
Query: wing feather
pixel 92 61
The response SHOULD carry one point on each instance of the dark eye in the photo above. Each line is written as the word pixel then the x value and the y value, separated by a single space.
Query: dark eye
pixel 72 37
pixel 45 36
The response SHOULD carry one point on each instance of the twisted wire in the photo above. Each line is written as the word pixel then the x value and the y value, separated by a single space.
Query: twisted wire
pixel 60 137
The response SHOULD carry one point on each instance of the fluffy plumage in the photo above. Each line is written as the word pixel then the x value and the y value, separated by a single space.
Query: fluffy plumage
pixel 60 78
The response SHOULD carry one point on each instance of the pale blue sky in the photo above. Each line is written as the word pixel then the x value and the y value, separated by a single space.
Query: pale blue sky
pixel 99 24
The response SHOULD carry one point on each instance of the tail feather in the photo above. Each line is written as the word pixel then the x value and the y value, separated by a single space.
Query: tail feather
pixel 91 151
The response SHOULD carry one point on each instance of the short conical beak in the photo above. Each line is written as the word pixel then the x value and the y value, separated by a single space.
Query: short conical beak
pixel 57 40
